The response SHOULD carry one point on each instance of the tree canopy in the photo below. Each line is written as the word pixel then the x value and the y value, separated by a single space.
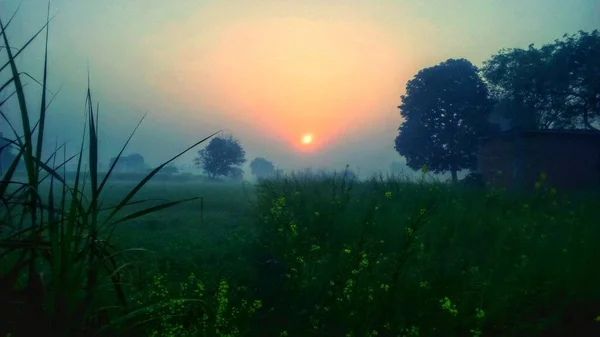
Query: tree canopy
pixel 262 168
pixel 221 157
pixel 555 86
pixel 446 109
pixel 170 169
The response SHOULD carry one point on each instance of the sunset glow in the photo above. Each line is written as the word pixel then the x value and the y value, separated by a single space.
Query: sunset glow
pixel 270 71
pixel 283 75
pixel 307 139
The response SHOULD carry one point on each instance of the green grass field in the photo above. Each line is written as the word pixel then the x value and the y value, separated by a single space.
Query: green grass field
pixel 306 256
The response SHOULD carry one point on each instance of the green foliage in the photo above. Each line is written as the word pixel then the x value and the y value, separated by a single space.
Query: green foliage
pixel 221 157
pixel 386 256
pixel 188 315
pixel 326 255
pixel 555 86
pixel 445 109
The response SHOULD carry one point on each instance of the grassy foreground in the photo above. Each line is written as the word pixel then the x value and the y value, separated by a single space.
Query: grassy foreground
pixel 327 256
pixel 306 256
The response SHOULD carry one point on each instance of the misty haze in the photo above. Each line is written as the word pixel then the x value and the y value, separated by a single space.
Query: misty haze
pixel 299 168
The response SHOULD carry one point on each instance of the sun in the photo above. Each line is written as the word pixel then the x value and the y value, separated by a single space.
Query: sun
pixel 307 139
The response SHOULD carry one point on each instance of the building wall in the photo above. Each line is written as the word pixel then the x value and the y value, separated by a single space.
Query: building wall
pixel 494 162
pixel 569 160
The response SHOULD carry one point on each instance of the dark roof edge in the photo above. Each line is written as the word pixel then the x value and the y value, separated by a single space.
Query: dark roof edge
pixel 509 133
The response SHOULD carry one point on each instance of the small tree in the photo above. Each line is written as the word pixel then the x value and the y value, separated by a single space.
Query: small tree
pixel 446 109
pixel 262 168
pixel 136 162
pixel 133 162
pixel 221 157
pixel 170 169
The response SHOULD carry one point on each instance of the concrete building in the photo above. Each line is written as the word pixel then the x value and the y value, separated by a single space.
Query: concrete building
pixel 570 159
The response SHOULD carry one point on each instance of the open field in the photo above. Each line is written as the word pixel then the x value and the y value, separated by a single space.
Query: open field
pixel 328 257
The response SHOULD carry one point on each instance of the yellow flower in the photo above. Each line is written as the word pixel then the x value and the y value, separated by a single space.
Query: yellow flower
pixel 449 306
pixel 388 195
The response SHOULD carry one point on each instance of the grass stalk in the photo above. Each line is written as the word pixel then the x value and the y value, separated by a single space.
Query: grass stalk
pixel 60 235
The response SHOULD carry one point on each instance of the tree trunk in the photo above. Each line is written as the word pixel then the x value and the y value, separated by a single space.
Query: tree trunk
pixel 586 121
pixel 454 176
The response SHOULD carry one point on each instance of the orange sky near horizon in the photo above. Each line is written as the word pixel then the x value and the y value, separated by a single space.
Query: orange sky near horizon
pixel 288 76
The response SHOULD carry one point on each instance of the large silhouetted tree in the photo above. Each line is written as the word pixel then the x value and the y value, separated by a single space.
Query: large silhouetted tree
pixel 555 86
pixel 445 109
pixel 221 157
pixel 262 168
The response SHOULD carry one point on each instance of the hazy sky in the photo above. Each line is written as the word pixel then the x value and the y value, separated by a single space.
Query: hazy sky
pixel 266 71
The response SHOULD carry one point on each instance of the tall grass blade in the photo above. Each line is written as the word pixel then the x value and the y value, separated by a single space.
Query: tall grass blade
pixel 133 192
pixel 6 178
pixel 8 97
pixel 2 31
pixel 153 209
pixel 27 146
pixel 42 120
pixel 112 167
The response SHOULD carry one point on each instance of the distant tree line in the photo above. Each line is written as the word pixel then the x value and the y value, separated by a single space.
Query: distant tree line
pixel 130 163
pixel 448 107
pixel 224 156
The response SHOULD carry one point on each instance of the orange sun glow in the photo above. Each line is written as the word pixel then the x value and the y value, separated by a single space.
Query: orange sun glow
pixel 285 75
pixel 307 139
